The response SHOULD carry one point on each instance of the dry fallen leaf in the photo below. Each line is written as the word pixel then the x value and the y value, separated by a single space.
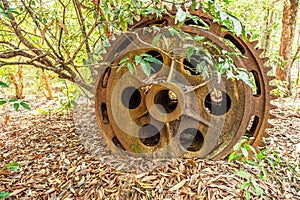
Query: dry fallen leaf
pixel 298 148
pixel 149 178
pixel 55 164
pixel 146 185
pixel 178 185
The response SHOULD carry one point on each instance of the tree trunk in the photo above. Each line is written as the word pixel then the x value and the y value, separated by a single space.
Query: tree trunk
pixel 48 86
pixel 19 85
pixel 297 67
pixel 268 33
pixel 289 19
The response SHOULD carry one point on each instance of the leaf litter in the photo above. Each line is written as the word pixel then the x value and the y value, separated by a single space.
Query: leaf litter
pixel 56 164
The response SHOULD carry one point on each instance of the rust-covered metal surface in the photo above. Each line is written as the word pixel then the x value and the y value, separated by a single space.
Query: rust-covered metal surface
pixel 175 111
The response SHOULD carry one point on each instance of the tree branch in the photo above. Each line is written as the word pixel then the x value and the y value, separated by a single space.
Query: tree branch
pixel 61 29
pixel 39 57
pixel 295 56
pixel 35 21
pixel 83 29
pixel 21 36
pixel 9 44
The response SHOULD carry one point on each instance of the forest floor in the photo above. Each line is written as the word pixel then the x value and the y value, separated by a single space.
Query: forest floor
pixel 57 163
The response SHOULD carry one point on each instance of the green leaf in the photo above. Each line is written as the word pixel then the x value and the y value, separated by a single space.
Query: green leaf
pixel 180 15
pixel 237 26
pixel 5 14
pixel 4 85
pixel 124 25
pixel 13 100
pixel 138 60
pixel 12 166
pixel 174 31
pixel 249 148
pixel 2 102
pixel 189 53
pixel 245 152
pixel 146 67
pixel 237 146
pixel 134 3
pixel 156 39
pixel 223 15
pixel 237 156
pixel 250 162
pixel 245 78
pixel 231 157
pixel 201 24
pixel 216 5
pixel 145 55
pixel 261 155
pixel 227 23
pixel 153 60
pixel 243 174
pixel 245 185
pixel 257 188
pixel 123 60
pixel 271 164
pixel 201 66
pixel 278 157
pixel 244 140
pixel 248 195
pixel 3 195
pixel 25 105
pixel 13 10
pixel 85 61
pixel 194 4
pixel 264 151
pixel 207 59
pixel 229 74
pixel 69 104
pixel 244 34
pixel 266 174
pixel 180 24
pixel 199 38
pixel 165 41
pixel 16 106
pixel 130 67
pixel 120 66
pixel 73 102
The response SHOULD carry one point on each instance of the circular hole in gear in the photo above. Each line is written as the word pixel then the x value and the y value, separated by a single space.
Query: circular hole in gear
pixel 131 97
pixel 149 135
pixel 191 139
pixel 217 103
pixel 154 66
pixel 167 99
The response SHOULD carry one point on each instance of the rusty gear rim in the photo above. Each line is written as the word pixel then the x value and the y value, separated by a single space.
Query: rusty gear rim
pixel 159 116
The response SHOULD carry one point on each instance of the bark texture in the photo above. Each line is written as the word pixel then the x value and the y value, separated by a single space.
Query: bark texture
pixel 289 19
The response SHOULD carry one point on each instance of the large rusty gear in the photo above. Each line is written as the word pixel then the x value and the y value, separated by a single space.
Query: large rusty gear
pixel 204 123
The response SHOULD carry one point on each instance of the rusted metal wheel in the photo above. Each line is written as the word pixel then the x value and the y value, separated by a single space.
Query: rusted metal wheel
pixel 175 112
